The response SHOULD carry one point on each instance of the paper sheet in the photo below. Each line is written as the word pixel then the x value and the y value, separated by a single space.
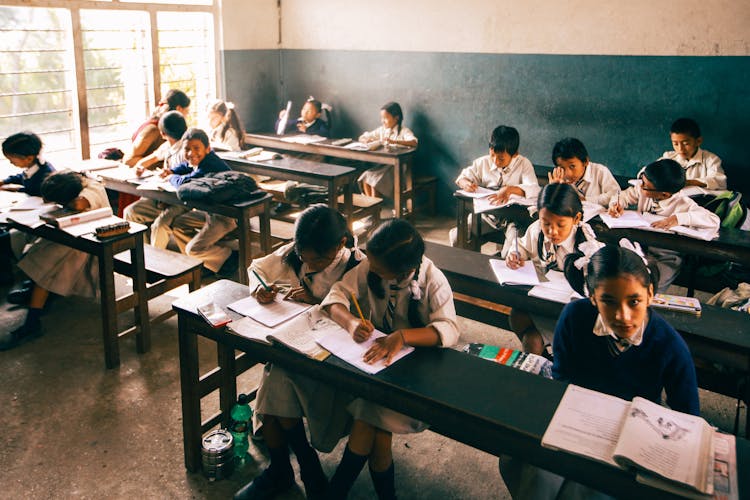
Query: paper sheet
pixel 525 275
pixel 556 289
pixel 628 219
pixel 481 192
pixel 272 314
pixel 484 205
pixel 341 344
pixel 304 139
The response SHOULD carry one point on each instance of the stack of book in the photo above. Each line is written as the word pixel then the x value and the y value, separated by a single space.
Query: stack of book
pixel 532 363
pixel 678 303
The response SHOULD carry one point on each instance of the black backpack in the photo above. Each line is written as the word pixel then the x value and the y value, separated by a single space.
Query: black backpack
pixel 226 187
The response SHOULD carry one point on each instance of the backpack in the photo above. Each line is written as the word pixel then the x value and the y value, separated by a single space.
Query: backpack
pixel 226 187
pixel 728 206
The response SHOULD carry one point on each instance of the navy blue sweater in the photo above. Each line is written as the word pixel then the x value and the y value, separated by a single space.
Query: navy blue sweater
pixel 33 185
pixel 183 171
pixel 662 361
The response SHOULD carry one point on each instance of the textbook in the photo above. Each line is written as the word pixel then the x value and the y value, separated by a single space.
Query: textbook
pixel 525 361
pixel 669 449
pixel 341 344
pixel 361 146
pixel 634 219
pixel 677 303
pixel 64 217
pixel 556 289
pixel 525 275
pixel 484 205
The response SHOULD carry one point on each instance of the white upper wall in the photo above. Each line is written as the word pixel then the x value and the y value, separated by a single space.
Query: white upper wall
pixel 634 27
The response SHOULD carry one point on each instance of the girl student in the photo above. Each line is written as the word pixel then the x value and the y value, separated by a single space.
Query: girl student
pixel 557 239
pixel 391 132
pixel 612 342
pixel 318 257
pixel 225 126
pixel 57 268
pixel 410 300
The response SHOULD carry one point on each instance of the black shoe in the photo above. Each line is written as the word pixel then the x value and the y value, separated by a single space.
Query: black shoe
pixel 230 266
pixel 20 296
pixel 280 208
pixel 28 331
pixel 266 486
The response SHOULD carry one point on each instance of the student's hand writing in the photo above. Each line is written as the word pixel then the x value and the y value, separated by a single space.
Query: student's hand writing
pixel 616 210
pixel 266 296
pixel 11 187
pixel 557 176
pixel 513 260
pixel 360 329
pixel 165 173
pixel 499 198
pixel 385 348
pixel 139 169
pixel 467 185
pixel 301 294
pixel 665 223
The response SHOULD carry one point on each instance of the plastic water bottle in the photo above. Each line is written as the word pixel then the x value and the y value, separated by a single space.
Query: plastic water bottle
pixel 240 425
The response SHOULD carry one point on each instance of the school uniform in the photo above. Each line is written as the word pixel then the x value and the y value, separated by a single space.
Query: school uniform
pixel 704 166
pixel 228 140
pixel 687 212
pixel 61 269
pixel 196 232
pixel 155 213
pixel 597 185
pixel 31 178
pixel 317 127
pixel 435 309
pixel 285 394
pixel 536 247
pixel 381 178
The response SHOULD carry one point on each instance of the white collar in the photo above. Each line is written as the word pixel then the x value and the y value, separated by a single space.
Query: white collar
pixel 602 330
pixel 29 172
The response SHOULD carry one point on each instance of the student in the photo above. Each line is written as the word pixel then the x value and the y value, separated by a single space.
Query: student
pixel 54 267
pixel 658 193
pixel 197 232
pixel 316 259
pixel 410 300
pixel 612 342
pixel 309 121
pixel 169 155
pixel 504 170
pixel 23 151
pixel 226 127
pixel 552 242
pixel 391 132
pixel 702 168
pixel 593 181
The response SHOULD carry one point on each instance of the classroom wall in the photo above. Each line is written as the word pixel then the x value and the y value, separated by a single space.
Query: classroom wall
pixel 615 76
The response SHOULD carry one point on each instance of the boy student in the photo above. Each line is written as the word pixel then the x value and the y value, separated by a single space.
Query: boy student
pixel 503 169
pixel 169 155
pixel 702 168
pixel 592 181
pixel 196 232
pixel 658 193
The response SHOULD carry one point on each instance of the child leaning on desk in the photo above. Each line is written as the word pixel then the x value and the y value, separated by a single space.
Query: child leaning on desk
pixel 410 300
pixel 612 342
pixel 505 170
pixel 309 121
pixel 702 168
pixel 554 242
pixel 390 133
pixel 317 258
pixel 54 267
pixel 593 181
pixel 169 155
pixel 658 193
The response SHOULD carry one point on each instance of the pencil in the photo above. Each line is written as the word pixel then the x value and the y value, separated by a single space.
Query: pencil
pixel 263 283
pixel 356 304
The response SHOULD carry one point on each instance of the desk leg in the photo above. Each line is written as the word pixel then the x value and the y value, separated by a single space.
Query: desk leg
pixel 348 208
pixel 476 232
pixel 228 380
pixel 462 223
pixel 191 399
pixel 143 337
pixel 245 255
pixel 108 306
pixel 397 188
pixel 265 229
pixel 409 187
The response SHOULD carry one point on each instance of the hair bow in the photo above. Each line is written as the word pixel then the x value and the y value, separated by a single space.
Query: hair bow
pixel 229 104
pixel 634 246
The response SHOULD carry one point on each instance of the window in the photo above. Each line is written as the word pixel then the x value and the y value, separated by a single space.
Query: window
pixel 89 89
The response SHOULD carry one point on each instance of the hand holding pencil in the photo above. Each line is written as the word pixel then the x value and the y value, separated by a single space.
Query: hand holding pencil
pixel 360 329
pixel 264 294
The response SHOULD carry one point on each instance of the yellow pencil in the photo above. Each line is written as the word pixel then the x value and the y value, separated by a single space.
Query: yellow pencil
pixel 356 304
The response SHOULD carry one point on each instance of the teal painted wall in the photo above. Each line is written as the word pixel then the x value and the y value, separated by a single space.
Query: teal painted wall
pixel 619 106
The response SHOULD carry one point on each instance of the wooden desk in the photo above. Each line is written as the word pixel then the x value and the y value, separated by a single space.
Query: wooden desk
pixel 104 250
pixel 488 406
pixel 472 239
pixel 116 179
pixel 333 177
pixel 398 158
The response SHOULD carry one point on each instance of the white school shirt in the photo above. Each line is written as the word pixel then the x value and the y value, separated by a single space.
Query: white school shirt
pixel 436 308
pixel 274 270
pixel 519 172
pixel 528 249
pixel 598 185
pixel 392 134
pixel 170 154
pixel 230 139
pixel 704 166
pixel 687 211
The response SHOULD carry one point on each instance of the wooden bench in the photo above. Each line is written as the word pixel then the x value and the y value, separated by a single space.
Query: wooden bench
pixel 165 271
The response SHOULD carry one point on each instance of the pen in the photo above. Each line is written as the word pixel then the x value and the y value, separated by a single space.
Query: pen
pixel 263 283
pixel 356 304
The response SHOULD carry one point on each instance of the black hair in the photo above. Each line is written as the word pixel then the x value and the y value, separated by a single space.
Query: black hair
pixel 612 261
pixel 175 98
pixel 666 175
pixel 506 139
pixel 229 120
pixel 394 109
pixel 560 199
pixel 318 228
pixel 567 148
pixel 173 124
pixel 686 126
pixel 399 246
pixel 62 187
pixel 195 133
pixel 22 144
pixel 316 104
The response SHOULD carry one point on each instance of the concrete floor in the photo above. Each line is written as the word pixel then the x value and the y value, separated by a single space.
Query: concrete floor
pixel 76 430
